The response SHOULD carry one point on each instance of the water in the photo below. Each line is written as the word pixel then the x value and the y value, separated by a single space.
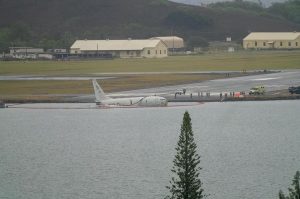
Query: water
pixel 248 150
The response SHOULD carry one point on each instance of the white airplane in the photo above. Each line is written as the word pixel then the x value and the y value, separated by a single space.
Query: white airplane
pixel 150 101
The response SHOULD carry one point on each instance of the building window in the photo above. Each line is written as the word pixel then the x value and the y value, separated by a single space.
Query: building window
pixel 296 43
pixel 156 52
pixel 281 43
pixel 160 52
pixel 149 52
pixel 289 43
pixel 255 43
pixel 264 43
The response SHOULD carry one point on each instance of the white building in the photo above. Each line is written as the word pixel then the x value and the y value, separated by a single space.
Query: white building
pixel 60 50
pixel 25 52
pixel 153 48
pixel 228 39
pixel 45 56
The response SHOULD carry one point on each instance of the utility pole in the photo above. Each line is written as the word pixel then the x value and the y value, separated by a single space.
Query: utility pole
pixel 97 50
pixel 173 40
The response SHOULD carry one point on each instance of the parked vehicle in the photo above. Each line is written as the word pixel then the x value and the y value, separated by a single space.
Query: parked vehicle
pixel 294 89
pixel 257 90
pixel 2 105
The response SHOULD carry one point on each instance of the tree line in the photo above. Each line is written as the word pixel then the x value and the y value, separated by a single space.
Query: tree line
pixel 20 34
pixel 289 10
pixel 186 22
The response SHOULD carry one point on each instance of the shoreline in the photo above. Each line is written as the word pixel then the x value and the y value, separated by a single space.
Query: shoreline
pixel 185 98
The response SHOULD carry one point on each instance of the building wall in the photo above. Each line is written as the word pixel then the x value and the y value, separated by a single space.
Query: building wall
pixel 128 54
pixel 45 56
pixel 61 50
pixel 158 52
pixel 75 51
pixel 116 53
pixel 26 50
pixel 271 44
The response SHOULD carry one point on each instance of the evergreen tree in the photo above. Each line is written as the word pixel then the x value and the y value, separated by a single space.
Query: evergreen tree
pixel 186 184
pixel 294 192
pixel 281 195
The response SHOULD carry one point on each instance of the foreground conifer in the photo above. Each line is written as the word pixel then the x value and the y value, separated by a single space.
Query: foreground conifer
pixel 186 183
pixel 294 192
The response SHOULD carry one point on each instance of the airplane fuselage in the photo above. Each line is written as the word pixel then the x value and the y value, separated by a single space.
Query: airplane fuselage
pixel 150 101
pixel 103 100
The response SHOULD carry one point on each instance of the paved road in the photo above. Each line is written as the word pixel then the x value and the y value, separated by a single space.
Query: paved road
pixel 104 75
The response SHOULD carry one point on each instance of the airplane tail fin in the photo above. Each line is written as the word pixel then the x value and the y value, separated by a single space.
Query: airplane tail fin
pixel 99 93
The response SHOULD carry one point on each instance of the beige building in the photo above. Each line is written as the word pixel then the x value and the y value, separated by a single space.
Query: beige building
pixel 172 42
pixel 272 40
pixel 121 48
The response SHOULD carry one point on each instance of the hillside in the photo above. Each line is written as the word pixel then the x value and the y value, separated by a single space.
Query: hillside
pixel 57 23
pixel 265 3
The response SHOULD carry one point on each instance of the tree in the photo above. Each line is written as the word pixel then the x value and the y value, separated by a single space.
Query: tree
pixel 196 42
pixel 294 192
pixel 186 184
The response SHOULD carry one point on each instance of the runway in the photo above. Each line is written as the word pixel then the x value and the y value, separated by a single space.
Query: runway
pixel 48 78
pixel 272 82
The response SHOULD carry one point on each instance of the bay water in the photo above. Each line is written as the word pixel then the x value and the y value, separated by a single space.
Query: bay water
pixel 248 150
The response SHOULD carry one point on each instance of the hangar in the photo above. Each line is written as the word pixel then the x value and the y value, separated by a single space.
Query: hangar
pixel 121 48
pixel 173 43
pixel 272 40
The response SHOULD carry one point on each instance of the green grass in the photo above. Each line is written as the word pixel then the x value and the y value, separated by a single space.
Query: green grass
pixel 250 60
pixel 10 89
pixel 44 87
pixel 253 60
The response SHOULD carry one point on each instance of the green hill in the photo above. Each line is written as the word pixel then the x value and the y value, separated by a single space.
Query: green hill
pixel 57 23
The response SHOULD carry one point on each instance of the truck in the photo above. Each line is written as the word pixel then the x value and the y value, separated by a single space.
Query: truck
pixel 294 89
pixel 257 90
